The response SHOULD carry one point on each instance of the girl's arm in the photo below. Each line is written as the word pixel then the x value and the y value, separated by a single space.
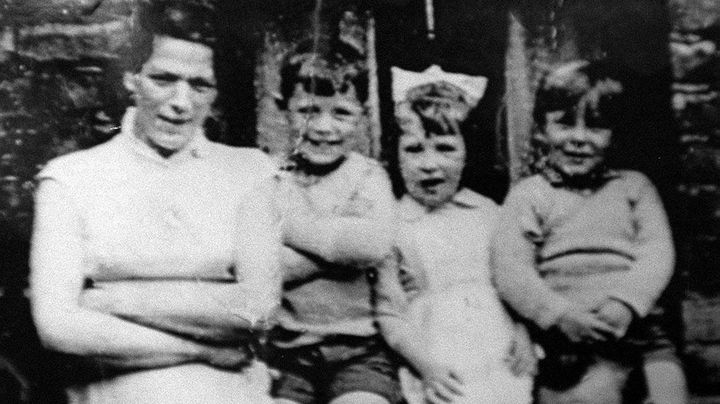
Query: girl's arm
pixel 57 279
pixel 522 357
pixel 405 337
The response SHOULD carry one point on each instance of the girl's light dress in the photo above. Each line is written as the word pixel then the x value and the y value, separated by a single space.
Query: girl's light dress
pixel 446 271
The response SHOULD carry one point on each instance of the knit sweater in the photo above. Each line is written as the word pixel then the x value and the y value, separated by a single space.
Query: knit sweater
pixel 335 228
pixel 196 225
pixel 557 246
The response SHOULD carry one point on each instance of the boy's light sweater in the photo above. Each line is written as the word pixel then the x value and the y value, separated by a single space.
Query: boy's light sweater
pixel 557 247
pixel 334 229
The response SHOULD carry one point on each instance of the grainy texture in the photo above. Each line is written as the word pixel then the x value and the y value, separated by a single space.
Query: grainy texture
pixel 695 58
pixel 279 37
pixel 59 92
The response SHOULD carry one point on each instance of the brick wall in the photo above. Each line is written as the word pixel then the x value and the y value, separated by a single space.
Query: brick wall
pixel 56 60
pixel 56 95
pixel 695 56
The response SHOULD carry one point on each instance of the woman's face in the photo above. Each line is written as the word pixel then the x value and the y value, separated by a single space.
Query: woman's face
pixel 575 148
pixel 174 92
pixel 431 165
pixel 323 124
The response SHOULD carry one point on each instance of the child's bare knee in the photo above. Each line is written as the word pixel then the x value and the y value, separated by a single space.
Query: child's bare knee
pixel 360 397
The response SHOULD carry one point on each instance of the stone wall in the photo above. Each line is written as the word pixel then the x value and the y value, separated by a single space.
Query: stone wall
pixel 56 60
pixel 688 142
pixel 695 55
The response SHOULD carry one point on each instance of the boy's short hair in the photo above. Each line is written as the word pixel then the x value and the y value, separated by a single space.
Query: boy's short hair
pixel 189 20
pixel 323 69
pixel 569 85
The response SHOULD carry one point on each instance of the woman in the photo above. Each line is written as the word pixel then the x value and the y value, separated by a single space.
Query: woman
pixel 154 255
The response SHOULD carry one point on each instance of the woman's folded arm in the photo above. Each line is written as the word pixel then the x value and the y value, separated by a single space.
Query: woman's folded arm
pixel 57 279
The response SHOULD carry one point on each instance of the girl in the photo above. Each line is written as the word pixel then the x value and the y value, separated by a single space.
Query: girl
pixel 453 331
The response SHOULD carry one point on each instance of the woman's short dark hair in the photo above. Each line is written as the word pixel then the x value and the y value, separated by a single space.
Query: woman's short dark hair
pixel 323 68
pixel 570 85
pixel 189 20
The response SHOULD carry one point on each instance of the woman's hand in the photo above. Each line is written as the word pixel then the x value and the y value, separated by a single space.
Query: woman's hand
pixel 521 357
pixel 441 383
pixel 226 358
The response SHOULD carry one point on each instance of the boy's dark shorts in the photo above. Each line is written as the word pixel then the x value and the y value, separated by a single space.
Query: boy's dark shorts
pixel 650 337
pixel 338 365
pixel 565 363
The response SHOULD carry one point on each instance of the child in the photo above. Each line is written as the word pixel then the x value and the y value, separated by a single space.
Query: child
pixel 455 332
pixel 337 207
pixel 583 251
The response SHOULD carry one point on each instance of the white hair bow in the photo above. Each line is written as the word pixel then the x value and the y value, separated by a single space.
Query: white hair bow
pixel 405 80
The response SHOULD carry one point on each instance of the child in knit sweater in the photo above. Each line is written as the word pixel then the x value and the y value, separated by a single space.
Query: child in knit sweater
pixel 583 252
pixel 336 207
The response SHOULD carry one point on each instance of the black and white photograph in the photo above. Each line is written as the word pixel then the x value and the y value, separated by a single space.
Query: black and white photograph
pixel 360 201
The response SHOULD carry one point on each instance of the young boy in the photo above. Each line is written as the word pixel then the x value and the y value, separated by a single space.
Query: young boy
pixel 337 209
pixel 583 251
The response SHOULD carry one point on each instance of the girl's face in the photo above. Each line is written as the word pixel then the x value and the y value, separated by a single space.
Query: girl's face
pixel 576 149
pixel 431 165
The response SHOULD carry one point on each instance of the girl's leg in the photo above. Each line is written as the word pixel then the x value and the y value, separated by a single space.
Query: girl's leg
pixel 359 397
pixel 412 388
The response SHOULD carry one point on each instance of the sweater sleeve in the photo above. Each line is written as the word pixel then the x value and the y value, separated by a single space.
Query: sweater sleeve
pixel 513 253
pixel 214 311
pixel 57 279
pixel 654 251
pixel 298 265
pixel 257 253
pixel 358 236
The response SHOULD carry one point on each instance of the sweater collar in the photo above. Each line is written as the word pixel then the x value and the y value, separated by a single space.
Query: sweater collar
pixel 592 180
pixel 198 148
pixel 410 209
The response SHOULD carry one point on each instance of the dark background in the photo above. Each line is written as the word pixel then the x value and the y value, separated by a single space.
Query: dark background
pixel 59 93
